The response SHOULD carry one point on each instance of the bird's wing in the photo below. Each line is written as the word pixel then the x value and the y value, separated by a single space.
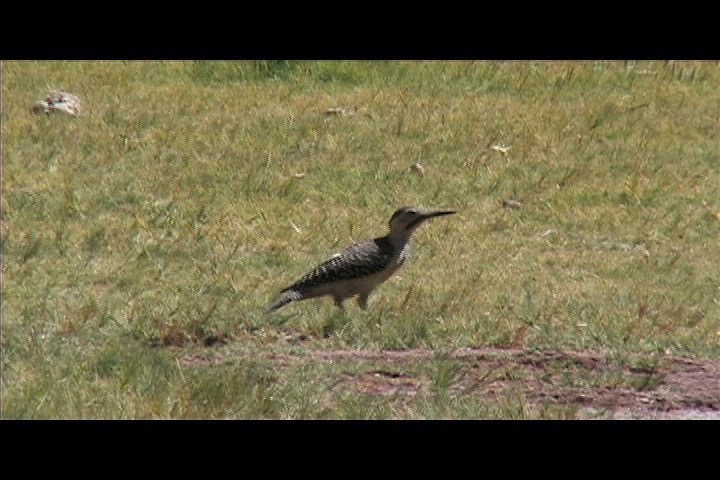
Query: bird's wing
pixel 358 260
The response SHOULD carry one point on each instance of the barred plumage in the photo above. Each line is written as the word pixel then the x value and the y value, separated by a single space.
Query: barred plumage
pixel 358 260
pixel 359 269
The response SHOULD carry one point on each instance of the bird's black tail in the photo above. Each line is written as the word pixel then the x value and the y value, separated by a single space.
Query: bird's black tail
pixel 283 299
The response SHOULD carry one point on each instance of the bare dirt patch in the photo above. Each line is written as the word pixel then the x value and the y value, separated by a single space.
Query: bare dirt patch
pixel 598 385
pixel 380 382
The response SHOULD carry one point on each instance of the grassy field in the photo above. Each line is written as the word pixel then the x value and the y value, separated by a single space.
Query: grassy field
pixel 141 240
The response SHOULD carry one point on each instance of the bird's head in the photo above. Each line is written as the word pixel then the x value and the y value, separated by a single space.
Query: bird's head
pixel 407 219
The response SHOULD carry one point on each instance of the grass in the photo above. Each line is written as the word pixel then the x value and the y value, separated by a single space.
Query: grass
pixel 189 193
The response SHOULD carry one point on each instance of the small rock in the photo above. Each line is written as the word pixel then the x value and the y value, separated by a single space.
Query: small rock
pixel 419 169
pixel 501 148
pixel 514 204
pixel 58 101
pixel 340 112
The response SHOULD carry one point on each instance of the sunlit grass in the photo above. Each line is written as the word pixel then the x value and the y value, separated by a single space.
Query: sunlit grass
pixel 189 193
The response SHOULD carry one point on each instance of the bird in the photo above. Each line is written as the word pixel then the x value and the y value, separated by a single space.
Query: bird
pixel 362 267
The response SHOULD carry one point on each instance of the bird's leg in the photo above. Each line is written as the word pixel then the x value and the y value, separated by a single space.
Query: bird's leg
pixel 339 302
pixel 362 300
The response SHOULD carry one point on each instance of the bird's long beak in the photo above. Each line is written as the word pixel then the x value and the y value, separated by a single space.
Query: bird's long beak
pixel 436 213
pixel 428 214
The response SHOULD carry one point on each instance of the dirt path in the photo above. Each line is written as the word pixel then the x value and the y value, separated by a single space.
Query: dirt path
pixel 660 387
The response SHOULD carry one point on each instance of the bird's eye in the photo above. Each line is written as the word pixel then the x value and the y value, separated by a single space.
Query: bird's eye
pixel 412 211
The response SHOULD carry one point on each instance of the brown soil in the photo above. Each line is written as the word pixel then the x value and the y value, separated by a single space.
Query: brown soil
pixel 599 386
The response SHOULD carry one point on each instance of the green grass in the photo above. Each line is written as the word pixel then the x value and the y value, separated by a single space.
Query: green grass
pixel 171 212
